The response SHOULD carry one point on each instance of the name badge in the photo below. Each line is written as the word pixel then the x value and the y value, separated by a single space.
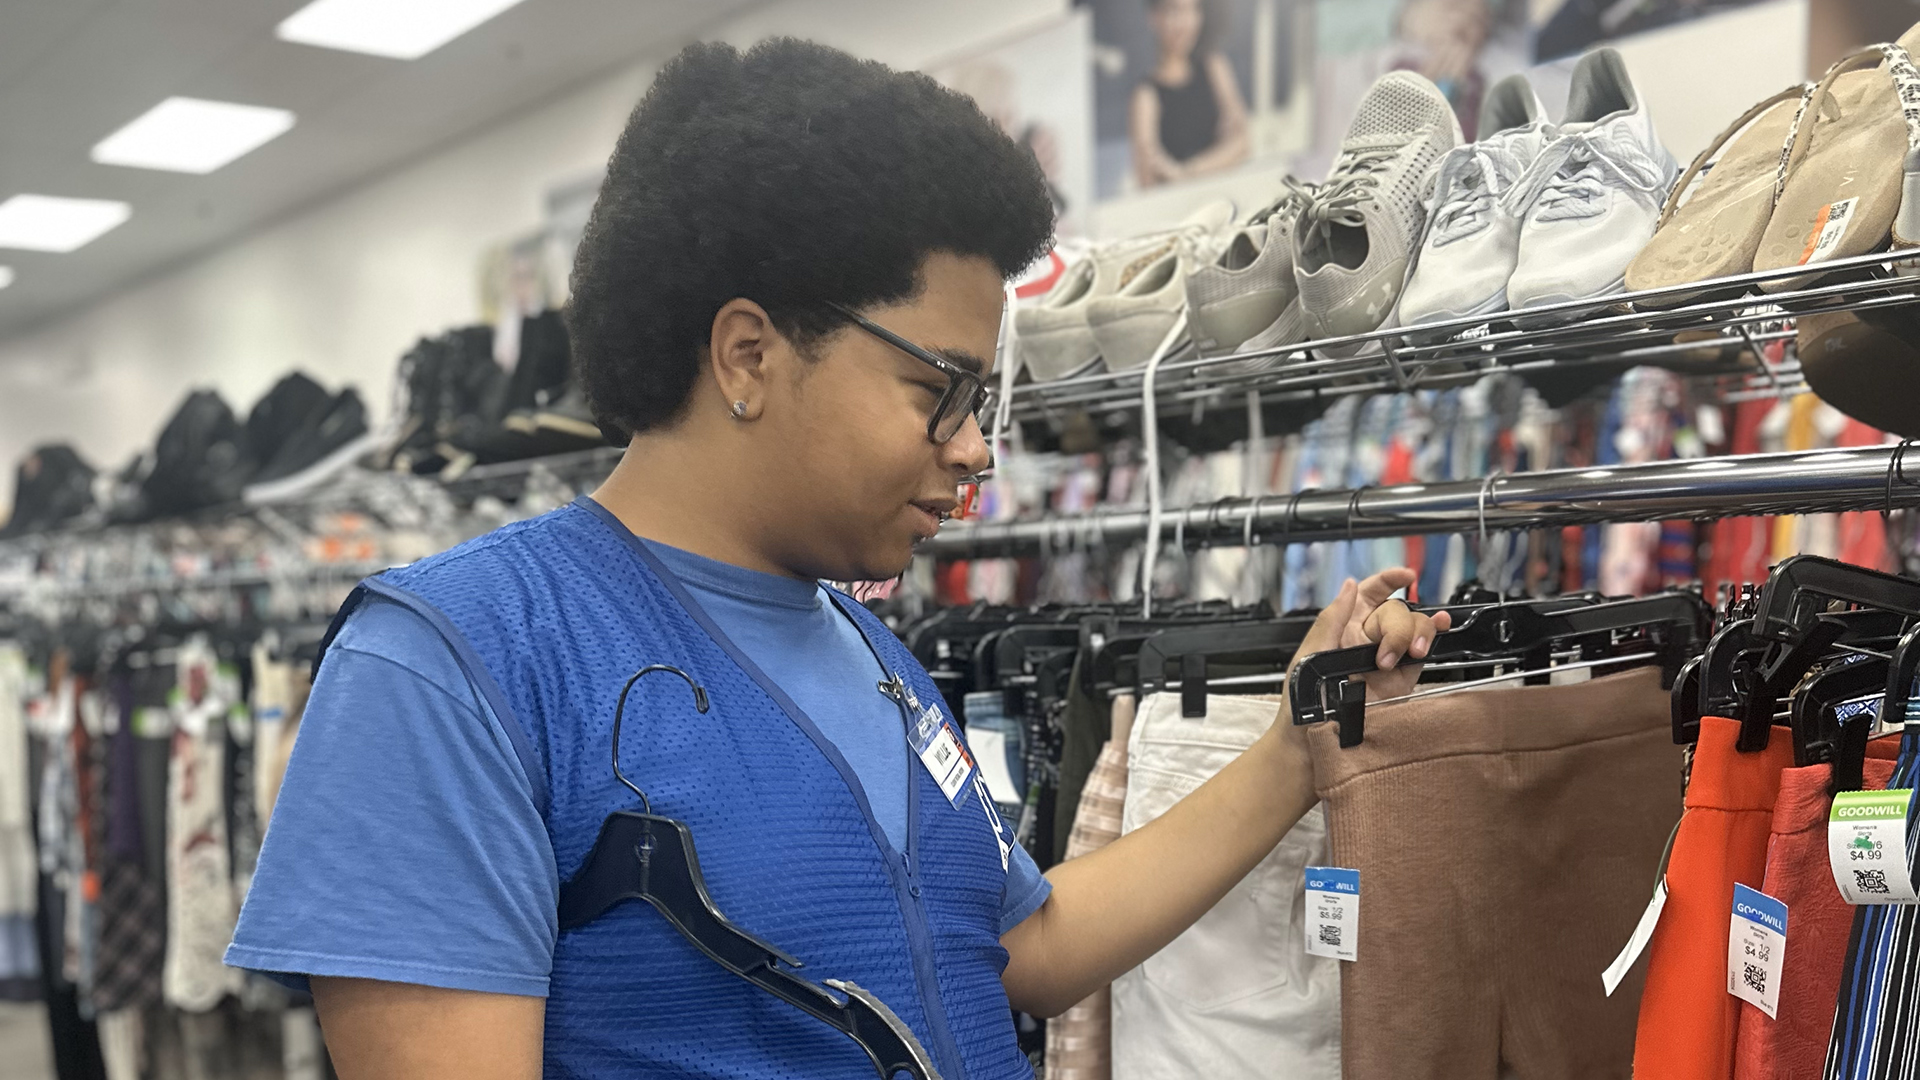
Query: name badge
pixel 933 738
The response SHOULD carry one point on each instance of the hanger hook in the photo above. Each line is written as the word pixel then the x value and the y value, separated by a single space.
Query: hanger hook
pixel 1353 510
pixel 1486 488
pixel 1893 470
pixel 700 703
pixel 1293 507
pixel 1246 527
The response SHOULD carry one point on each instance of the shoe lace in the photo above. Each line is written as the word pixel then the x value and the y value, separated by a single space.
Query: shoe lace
pixel 1298 195
pixel 1570 178
pixel 1468 182
pixel 1355 176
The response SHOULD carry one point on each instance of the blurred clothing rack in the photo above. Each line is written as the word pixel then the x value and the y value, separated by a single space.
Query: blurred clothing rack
pixel 1866 478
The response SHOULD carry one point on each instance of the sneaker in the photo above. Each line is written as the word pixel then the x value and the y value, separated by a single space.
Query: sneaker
pixel 1592 199
pixel 1356 238
pixel 1055 340
pixel 1473 237
pixel 1247 294
pixel 1129 325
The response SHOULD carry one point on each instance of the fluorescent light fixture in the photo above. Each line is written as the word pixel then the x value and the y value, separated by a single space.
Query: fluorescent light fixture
pixel 6 276
pixel 57 224
pixel 183 134
pixel 402 29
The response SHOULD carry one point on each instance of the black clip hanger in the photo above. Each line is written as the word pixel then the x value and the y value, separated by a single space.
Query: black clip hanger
pixel 1184 653
pixel 1670 624
pixel 1800 588
pixel 1816 707
pixel 1850 753
pixel 648 857
pixel 1782 664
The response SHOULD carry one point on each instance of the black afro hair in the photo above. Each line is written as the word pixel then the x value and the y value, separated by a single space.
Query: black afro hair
pixel 792 175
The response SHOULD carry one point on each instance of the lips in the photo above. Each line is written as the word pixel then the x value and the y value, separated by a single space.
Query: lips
pixel 934 512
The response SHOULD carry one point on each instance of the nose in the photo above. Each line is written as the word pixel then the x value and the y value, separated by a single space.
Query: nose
pixel 967 452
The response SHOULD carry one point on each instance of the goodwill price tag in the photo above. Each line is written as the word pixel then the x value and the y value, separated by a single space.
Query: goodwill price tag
pixel 1756 947
pixel 941 752
pixel 1867 844
pixel 1333 912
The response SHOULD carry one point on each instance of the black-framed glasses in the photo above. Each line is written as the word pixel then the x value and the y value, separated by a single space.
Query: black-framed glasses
pixel 966 392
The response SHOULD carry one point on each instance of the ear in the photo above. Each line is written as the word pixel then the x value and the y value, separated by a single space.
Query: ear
pixel 737 347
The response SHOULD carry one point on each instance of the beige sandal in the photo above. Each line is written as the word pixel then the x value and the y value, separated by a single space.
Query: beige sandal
pixel 1717 230
pixel 1841 176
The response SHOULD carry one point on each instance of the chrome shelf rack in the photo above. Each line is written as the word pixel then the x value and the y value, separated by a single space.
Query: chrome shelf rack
pixel 1729 320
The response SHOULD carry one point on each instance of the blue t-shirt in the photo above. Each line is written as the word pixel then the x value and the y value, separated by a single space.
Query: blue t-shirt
pixel 406 844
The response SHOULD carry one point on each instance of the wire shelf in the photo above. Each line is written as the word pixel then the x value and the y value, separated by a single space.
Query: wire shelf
pixel 1729 321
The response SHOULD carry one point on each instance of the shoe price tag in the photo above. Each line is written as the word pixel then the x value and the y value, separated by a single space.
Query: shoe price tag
pixel 940 750
pixel 1616 972
pixel 1828 230
pixel 1756 948
pixel 1333 912
pixel 1867 844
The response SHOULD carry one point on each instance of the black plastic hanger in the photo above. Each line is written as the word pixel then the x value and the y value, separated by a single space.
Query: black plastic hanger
pixel 1671 624
pixel 1799 589
pixel 1816 707
pixel 647 857
pixel 1850 753
pixel 1765 676
pixel 1184 654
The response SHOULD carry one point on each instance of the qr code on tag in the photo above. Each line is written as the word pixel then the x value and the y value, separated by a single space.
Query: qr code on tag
pixel 1870 881
pixel 1330 935
pixel 1755 977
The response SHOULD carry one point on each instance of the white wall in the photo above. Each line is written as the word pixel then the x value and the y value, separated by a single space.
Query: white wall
pixel 342 289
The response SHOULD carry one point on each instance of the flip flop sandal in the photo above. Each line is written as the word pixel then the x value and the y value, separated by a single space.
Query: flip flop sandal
pixel 1842 173
pixel 1715 232
pixel 1865 370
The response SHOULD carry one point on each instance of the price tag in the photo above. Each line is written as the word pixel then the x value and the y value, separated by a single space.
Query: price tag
pixel 940 750
pixel 1617 971
pixel 1333 912
pixel 1867 845
pixel 1756 947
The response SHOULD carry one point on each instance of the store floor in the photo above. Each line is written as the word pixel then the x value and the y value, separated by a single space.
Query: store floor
pixel 23 1042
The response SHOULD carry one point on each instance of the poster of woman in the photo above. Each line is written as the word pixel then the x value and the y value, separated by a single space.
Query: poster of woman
pixel 1188 116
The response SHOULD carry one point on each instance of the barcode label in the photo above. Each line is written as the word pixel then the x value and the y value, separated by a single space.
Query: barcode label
pixel 1871 881
pixel 1756 947
pixel 1333 912
pixel 1330 935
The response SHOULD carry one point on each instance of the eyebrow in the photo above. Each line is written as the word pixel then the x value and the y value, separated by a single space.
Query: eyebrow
pixel 961 358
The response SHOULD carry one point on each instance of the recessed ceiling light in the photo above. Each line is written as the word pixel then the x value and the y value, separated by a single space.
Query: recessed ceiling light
pixel 6 276
pixel 402 29
pixel 57 224
pixel 183 134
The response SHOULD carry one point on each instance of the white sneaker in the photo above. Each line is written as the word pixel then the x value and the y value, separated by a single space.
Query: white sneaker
pixel 1129 325
pixel 1357 236
pixel 1248 293
pixel 1473 237
pixel 1591 200
pixel 1055 339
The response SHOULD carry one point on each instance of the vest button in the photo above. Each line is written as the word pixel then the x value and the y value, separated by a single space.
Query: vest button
pixel 915 890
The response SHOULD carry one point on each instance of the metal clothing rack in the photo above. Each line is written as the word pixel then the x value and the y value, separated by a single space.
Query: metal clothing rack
pixel 1868 478
pixel 1729 318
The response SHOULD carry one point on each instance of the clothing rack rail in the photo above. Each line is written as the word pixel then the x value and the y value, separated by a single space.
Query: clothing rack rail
pixel 1866 478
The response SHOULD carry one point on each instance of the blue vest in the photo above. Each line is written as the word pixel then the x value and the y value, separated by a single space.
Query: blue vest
pixel 549 617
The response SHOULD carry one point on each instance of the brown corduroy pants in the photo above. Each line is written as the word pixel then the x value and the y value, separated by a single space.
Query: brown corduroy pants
pixel 1507 841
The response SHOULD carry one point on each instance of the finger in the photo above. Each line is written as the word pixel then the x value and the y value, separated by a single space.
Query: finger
pixel 1395 627
pixel 1380 588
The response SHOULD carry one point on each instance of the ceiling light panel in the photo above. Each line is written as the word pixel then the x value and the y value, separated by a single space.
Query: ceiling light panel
pixel 57 224
pixel 402 29
pixel 189 135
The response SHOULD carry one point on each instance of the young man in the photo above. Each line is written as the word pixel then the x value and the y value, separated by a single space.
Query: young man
pixel 786 304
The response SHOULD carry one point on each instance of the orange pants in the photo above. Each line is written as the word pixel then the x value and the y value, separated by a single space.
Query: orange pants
pixel 1687 1018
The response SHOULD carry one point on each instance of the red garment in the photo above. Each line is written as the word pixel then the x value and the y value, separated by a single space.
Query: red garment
pixel 1793 1045
pixel 1687 1018
pixel 1863 533
pixel 1741 545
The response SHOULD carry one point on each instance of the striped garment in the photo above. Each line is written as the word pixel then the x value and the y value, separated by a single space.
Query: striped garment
pixel 1876 1023
pixel 1080 1040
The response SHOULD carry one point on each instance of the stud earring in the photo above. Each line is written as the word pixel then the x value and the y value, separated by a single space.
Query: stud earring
pixel 739 410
